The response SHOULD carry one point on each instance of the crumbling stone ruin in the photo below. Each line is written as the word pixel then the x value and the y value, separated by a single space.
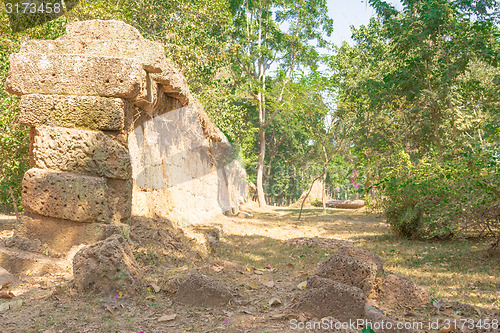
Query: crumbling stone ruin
pixel 114 133
pixel 347 285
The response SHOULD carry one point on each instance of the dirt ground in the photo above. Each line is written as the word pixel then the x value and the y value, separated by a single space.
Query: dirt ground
pixel 262 259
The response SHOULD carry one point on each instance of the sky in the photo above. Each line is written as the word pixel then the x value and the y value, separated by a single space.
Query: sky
pixel 350 12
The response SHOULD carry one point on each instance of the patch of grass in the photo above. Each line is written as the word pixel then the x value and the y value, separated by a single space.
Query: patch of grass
pixel 453 270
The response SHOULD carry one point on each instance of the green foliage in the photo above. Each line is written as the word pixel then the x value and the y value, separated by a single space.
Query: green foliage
pixel 432 200
pixel 422 87
pixel 14 137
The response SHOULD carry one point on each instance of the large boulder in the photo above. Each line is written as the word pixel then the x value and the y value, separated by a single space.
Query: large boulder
pixel 325 297
pixel 401 293
pixel 106 267
pixel 200 290
pixel 350 271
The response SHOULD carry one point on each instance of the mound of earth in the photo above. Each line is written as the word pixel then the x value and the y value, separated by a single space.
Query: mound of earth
pixel 200 290
pixel 327 243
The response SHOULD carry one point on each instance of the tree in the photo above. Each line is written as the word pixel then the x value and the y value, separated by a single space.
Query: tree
pixel 313 99
pixel 261 42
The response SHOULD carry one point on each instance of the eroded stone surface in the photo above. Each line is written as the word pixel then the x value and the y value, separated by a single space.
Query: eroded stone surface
pixel 200 290
pixel 120 198
pixel 171 153
pixel 325 297
pixel 66 196
pixel 32 73
pixel 350 271
pixel 58 236
pixel 102 30
pixel 363 255
pixel 88 112
pixel 106 267
pixel 399 292
pixel 150 54
pixel 81 151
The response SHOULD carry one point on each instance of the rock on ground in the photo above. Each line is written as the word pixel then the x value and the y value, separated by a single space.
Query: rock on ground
pixel 106 267
pixel 399 292
pixel 349 270
pixel 200 290
pixel 6 277
pixel 364 256
pixel 325 297
pixel 380 323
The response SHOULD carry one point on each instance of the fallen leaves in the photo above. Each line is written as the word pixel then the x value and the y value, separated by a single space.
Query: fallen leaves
pixel 274 302
pixel 169 317
pixel 155 287
pixel 302 285
pixel 5 285
pixel 217 268
pixel 7 294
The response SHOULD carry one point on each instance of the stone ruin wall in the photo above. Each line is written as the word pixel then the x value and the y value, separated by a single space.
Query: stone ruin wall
pixel 114 133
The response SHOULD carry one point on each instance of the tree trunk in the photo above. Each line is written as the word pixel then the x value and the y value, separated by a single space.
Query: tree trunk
pixel 260 169
pixel 323 188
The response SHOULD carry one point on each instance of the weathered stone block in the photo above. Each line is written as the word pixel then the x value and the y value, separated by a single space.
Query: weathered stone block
pixel 363 255
pixel 108 266
pixel 90 112
pixel 200 290
pixel 350 271
pixel 399 292
pixel 101 29
pixel 120 198
pixel 32 73
pixel 150 54
pixel 59 236
pixel 325 297
pixel 74 150
pixel 66 196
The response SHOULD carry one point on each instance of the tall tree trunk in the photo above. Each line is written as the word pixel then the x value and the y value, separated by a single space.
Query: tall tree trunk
pixel 260 169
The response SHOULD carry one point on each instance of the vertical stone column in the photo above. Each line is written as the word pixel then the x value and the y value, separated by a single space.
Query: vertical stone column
pixel 79 93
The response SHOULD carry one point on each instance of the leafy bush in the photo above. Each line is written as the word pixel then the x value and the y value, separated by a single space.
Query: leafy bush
pixel 429 199
pixel 316 203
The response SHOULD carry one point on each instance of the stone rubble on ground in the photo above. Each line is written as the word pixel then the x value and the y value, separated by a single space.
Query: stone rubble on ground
pixel 107 267
pixel 343 284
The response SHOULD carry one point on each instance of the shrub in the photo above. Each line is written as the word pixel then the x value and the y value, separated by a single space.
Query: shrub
pixel 439 200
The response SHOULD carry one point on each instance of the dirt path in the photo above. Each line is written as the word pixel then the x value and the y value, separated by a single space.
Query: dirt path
pixel 262 259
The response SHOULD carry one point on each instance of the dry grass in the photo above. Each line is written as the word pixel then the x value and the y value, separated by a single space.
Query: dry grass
pixel 454 270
